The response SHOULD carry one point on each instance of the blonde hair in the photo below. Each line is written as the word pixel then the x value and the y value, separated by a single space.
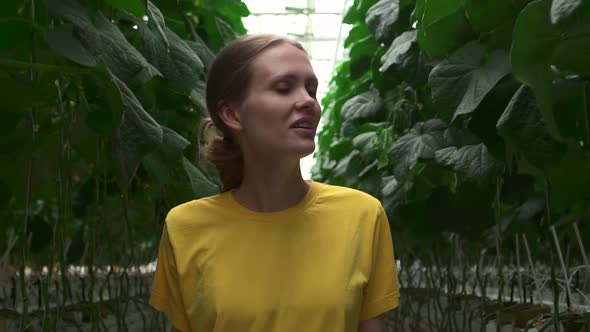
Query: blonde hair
pixel 228 80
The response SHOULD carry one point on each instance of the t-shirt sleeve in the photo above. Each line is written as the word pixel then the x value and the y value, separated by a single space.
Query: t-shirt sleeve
pixel 381 292
pixel 166 295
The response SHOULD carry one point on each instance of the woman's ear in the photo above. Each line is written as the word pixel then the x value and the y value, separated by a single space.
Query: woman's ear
pixel 230 116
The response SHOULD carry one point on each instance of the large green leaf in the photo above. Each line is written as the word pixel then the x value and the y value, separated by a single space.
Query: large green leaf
pixel 570 179
pixel 135 7
pixel 423 140
pixel 14 30
pixel 357 12
pixel 522 125
pixel 381 18
pixel 561 10
pixel 137 135
pixel 202 186
pixel 460 83
pixel 487 15
pixel 361 55
pixel 358 32
pixel 162 161
pixel 105 42
pixel 401 54
pixel 62 41
pixel 365 105
pixel 442 25
pixel 202 50
pixel 179 65
pixel 538 44
pixel 473 161
pixel 395 193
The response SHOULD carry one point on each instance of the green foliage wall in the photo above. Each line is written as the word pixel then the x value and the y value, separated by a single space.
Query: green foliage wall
pixel 100 102
pixel 464 117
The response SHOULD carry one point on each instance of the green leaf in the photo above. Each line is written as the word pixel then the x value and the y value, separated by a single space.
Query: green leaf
pixel 381 18
pixel 202 50
pixel 395 194
pixel 460 83
pixel 13 31
pixel 570 179
pixel 137 135
pixel 442 25
pixel 487 15
pixel 197 96
pixel 473 161
pixel 62 41
pixel 355 34
pixel 200 183
pixel 537 45
pixel 401 53
pixel 361 53
pixel 365 105
pixel 562 10
pixel 179 65
pixel 105 42
pixel 173 144
pixel 160 163
pixel 156 22
pixel 522 125
pixel 135 7
pixel 423 140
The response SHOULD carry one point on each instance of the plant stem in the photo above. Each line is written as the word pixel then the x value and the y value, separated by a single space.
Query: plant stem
pixel 43 67
pixel 520 284
pixel 563 269
pixel 586 111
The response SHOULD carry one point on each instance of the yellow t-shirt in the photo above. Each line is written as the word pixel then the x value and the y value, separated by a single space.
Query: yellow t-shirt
pixel 321 265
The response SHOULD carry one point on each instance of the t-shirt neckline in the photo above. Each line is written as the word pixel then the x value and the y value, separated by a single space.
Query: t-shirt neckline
pixel 252 215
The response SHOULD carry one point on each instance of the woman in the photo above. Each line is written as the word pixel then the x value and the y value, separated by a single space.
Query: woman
pixel 272 252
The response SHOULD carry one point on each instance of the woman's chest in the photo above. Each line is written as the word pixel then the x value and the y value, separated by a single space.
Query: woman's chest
pixel 247 275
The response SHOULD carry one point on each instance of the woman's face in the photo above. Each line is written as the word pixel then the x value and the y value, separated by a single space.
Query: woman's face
pixel 279 115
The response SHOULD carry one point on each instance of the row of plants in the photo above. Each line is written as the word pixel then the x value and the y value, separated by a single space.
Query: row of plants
pixel 469 119
pixel 101 104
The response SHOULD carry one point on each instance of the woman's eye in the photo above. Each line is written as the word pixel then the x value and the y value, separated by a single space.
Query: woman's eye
pixel 282 88
pixel 312 92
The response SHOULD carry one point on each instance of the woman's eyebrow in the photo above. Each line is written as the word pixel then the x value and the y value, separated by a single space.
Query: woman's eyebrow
pixel 291 76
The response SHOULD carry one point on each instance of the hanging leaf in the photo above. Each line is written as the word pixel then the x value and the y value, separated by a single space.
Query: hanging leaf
pixel 522 125
pixel 401 54
pixel 460 83
pixel 423 140
pixel 442 25
pixel 395 193
pixel 473 161
pixel 202 51
pixel 202 186
pixel 487 15
pixel 105 42
pixel 62 41
pixel 358 32
pixel 14 31
pixel 381 18
pixel 178 64
pixel 137 135
pixel 537 45
pixel 135 7
pixel 562 10
pixel 365 105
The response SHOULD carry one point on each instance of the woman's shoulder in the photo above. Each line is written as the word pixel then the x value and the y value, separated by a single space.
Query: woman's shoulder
pixel 331 193
pixel 196 211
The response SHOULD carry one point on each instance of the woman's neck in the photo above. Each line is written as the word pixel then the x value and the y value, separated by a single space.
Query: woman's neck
pixel 271 187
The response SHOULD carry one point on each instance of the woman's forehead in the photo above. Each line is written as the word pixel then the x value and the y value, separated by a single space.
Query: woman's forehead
pixel 282 60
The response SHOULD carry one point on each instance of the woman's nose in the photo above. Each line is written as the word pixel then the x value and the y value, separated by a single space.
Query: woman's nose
pixel 305 100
